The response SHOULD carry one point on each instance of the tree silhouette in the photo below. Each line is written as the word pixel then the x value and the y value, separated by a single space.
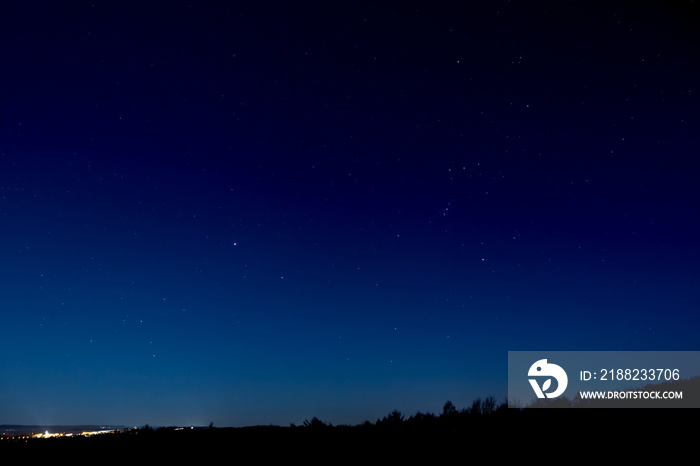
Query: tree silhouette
pixel 476 407
pixel 396 416
pixel 488 406
pixel 392 419
pixel 449 409
pixel 315 423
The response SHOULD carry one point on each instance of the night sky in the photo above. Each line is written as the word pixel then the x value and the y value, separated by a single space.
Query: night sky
pixel 259 212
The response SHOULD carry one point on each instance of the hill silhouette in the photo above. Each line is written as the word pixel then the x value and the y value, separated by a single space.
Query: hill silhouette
pixel 394 432
pixel 485 427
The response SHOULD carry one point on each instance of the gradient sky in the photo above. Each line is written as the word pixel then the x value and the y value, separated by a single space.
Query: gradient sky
pixel 260 212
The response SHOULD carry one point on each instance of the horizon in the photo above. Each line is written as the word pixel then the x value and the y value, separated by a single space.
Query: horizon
pixel 255 214
pixel 406 416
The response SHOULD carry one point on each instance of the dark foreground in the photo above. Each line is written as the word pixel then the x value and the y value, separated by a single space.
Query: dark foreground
pixel 392 437
pixel 507 433
pixel 264 441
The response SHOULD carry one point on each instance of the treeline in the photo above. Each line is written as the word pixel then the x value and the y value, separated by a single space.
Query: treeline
pixel 480 410
pixel 450 416
pixel 394 432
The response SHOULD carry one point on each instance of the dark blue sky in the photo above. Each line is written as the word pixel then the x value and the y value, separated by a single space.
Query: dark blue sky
pixel 250 213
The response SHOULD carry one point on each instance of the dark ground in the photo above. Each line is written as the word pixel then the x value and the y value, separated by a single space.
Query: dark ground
pixel 508 433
